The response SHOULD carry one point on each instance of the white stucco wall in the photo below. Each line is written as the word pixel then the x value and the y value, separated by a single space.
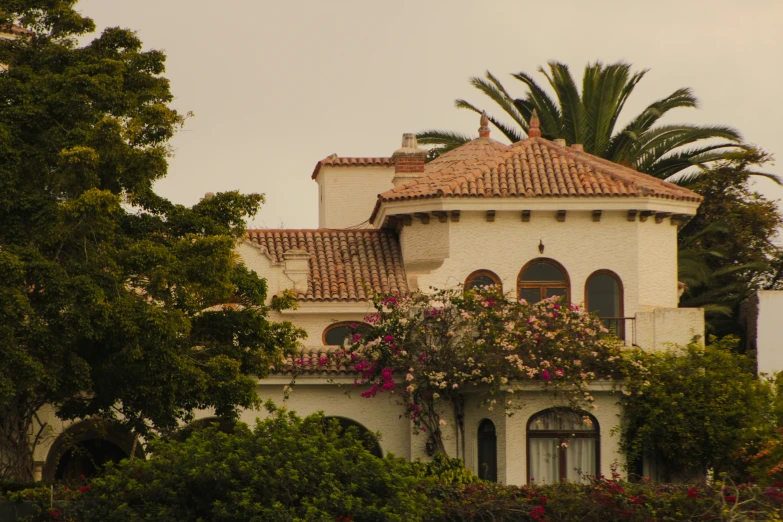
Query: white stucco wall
pixel 512 431
pixel 581 245
pixel 642 253
pixel 347 194
pixel 769 333
pixel 382 414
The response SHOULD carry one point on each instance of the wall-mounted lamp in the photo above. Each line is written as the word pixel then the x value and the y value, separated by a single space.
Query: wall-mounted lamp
pixel 541 246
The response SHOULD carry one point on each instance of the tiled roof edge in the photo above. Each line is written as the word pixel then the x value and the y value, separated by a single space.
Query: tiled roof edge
pixel 336 161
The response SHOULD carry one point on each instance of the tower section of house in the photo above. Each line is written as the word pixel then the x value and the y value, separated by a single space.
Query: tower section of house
pixel 542 218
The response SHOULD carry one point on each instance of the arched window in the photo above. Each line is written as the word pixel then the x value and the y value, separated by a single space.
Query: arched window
pixel 481 278
pixel 604 296
pixel 336 334
pixel 542 278
pixel 369 441
pixel 487 451
pixel 562 445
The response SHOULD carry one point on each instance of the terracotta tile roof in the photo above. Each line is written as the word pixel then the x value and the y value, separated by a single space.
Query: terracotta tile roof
pixel 345 265
pixel 15 29
pixel 531 168
pixel 335 161
pixel 316 361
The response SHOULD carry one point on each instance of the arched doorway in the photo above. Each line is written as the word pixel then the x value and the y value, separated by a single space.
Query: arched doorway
pixel 86 458
pixel 84 448
pixel 487 451
pixel 369 441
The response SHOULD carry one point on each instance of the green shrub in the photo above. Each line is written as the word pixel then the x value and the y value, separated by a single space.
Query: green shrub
pixel 695 408
pixel 285 468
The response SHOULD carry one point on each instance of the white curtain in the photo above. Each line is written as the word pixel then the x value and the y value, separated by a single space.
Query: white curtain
pixel 580 459
pixel 544 461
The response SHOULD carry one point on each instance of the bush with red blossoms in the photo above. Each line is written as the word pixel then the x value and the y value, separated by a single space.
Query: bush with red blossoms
pixel 608 500
pixel 432 348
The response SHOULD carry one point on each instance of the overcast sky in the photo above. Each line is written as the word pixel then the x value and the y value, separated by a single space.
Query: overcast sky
pixel 278 85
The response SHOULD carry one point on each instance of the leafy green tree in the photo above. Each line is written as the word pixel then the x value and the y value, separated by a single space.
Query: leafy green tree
pixel 589 117
pixel 695 408
pixel 727 251
pixel 285 468
pixel 108 292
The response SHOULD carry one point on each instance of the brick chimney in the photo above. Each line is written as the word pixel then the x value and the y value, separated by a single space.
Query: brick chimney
pixel 408 160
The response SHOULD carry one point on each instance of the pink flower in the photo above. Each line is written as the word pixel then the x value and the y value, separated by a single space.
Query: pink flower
pixel 388 338
pixel 545 375
pixel 559 373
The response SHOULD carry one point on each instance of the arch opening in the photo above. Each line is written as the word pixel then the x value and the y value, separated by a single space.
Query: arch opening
pixel 85 447
pixel 487 451
pixel 543 278
pixel 604 297
pixel 367 438
pixel 562 446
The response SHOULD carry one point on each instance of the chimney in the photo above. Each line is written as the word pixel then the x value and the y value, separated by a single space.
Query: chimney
pixel 408 160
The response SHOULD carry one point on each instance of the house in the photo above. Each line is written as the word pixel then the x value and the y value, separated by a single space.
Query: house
pixel 538 217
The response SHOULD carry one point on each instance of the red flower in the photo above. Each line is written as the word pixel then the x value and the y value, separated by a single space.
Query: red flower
pixel 731 498
pixel 637 500
pixel 693 492
pixel 537 513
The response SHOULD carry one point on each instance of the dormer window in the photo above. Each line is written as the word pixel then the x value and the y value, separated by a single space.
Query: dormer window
pixel 543 278
pixel 481 278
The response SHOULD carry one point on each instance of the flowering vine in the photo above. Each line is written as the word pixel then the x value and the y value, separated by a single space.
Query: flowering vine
pixel 432 348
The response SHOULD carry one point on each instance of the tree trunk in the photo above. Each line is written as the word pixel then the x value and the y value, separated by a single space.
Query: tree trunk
pixel 18 439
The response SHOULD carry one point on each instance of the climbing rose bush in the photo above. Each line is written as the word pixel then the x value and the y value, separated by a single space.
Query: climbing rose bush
pixel 432 348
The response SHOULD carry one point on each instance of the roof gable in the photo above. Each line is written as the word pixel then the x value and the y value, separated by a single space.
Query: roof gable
pixel 345 265
pixel 336 161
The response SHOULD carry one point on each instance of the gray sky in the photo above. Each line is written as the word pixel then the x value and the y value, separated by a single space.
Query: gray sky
pixel 277 86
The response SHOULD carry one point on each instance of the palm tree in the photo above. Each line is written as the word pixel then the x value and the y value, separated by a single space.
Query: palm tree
pixel 590 118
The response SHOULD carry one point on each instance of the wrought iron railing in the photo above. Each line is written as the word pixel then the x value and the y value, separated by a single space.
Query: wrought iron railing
pixel 624 328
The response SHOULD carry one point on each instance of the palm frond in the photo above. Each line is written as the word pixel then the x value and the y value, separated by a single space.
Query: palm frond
pixel 548 110
pixel 656 143
pixel 572 109
pixel 670 167
pixel 498 95
pixel 512 134
pixel 604 89
pixel 447 139
pixel 622 142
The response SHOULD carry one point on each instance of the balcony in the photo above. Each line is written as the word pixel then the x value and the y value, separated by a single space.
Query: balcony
pixel 658 328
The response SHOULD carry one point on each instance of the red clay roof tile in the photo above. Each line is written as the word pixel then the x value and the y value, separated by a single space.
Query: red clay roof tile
pixel 531 168
pixel 335 161
pixel 345 265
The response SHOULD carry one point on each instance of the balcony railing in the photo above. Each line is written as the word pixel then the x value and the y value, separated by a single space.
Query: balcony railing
pixel 624 328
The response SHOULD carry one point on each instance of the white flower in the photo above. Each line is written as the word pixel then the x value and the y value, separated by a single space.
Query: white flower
pixel 442 422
